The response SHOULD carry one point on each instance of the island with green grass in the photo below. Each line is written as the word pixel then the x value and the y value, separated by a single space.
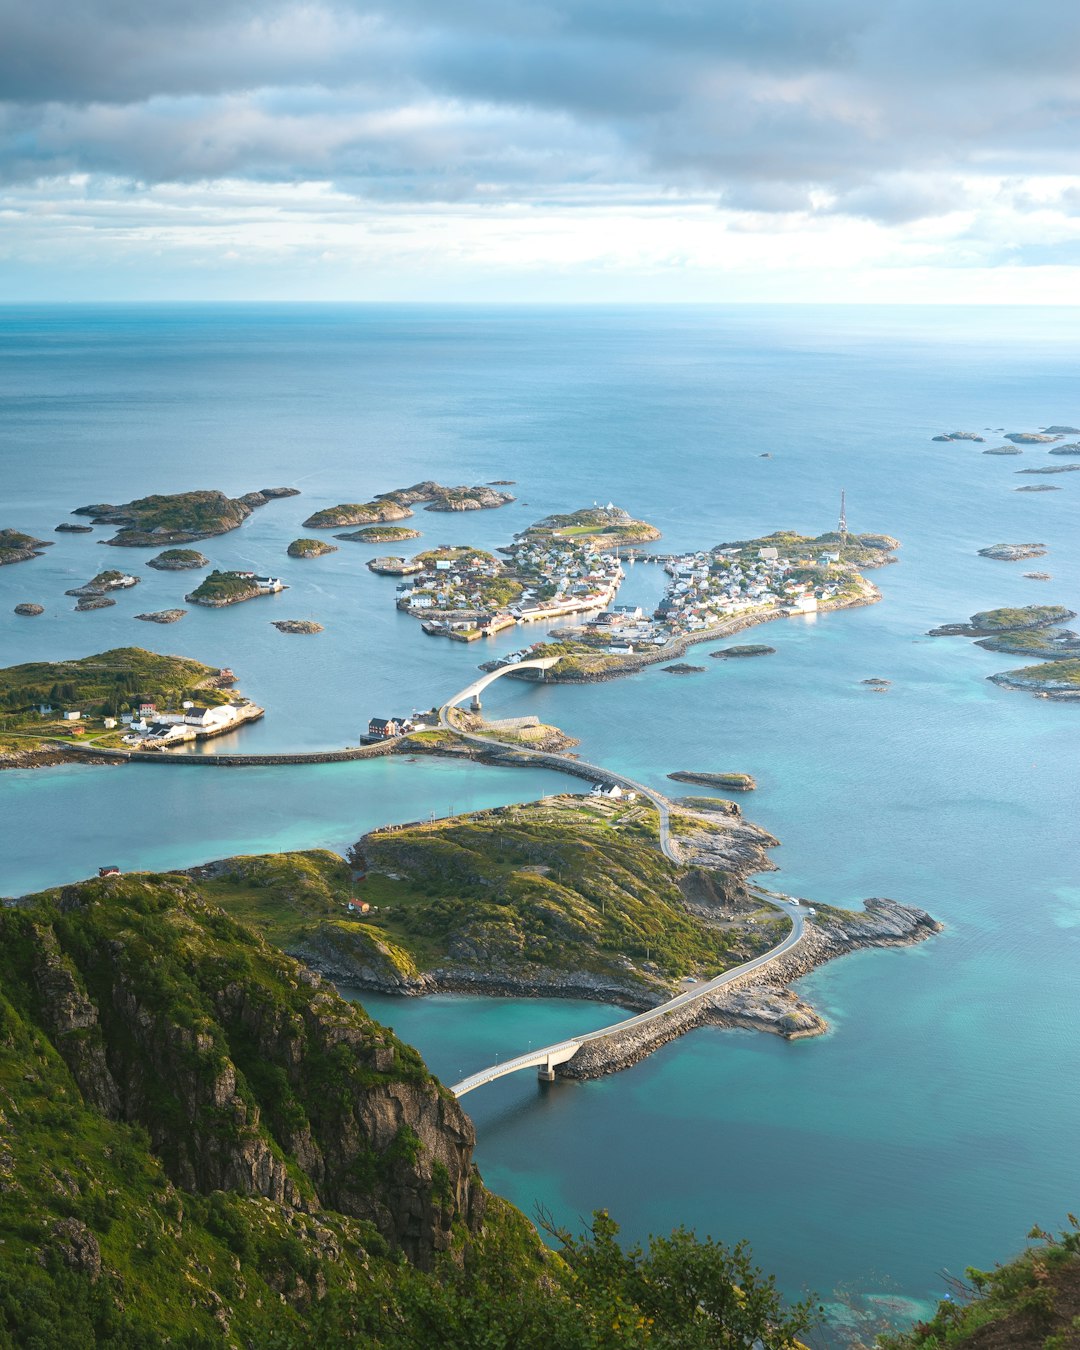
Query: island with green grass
pixel 178 560
pixel 310 548
pixel 232 588
pixel 356 513
pixel 606 526
pixel 380 534
pixel 18 547
pixel 439 497
pixel 177 518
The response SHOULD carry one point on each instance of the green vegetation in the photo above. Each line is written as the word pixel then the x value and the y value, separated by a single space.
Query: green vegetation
pixel 381 534
pixel 201 1147
pixel 103 685
pixel 566 884
pixel 598 523
pixel 223 588
pixel 309 548
pixel 1050 675
pixel 178 560
pixel 862 550
pixel 1028 616
pixel 16 547
pixel 1031 1303
pixel 177 518
pixel 356 513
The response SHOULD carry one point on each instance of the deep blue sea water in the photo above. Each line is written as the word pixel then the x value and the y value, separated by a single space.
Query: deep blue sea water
pixel 936 1122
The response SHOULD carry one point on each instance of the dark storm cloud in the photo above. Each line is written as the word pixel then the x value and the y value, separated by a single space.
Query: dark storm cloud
pixel 764 105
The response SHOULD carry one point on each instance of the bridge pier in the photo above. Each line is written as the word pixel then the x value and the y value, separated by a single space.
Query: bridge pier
pixel 475 705
pixel 546 1073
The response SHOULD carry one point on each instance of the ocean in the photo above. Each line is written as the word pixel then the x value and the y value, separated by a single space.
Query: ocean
pixel 934 1124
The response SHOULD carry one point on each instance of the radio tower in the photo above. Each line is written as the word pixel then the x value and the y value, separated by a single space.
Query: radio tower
pixel 842 526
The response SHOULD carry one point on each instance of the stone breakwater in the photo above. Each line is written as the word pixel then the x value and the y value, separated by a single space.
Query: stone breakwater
pixel 760 1000
pixel 226 761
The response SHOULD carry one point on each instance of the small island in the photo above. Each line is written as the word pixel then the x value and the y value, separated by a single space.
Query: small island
pixel 959 436
pixel 438 497
pixel 29 610
pixel 380 534
pixel 1071 449
pixel 94 600
pixel 1038 576
pixel 734 782
pixel 17 547
pixel 1004 450
pixel 1037 487
pixel 297 626
pixel 1005 619
pixel 1054 468
pixel 310 548
pixel 111 580
pixel 176 518
pixel 746 649
pixel 163 616
pixel 1013 552
pixel 178 560
pixel 1062 431
pixel 682 668
pixel 1032 437
pixel 231 588
pixel 606 526
pixel 356 513
pixel 69 527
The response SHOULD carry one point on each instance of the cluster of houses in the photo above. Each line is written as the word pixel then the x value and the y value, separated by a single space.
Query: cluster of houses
pixel 385 728
pixel 555 576
pixel 150 729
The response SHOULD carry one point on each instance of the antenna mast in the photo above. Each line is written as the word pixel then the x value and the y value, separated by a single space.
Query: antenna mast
pixel 842 526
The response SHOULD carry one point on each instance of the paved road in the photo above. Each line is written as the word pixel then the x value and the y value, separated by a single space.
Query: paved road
pixel 561 1051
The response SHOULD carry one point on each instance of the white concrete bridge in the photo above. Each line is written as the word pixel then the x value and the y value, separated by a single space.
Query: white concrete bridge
pixel 547 1057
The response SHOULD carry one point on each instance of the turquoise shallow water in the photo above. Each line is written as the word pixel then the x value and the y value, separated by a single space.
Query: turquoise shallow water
pixel 934 1124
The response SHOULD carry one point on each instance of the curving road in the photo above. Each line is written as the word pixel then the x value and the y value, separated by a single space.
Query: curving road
pixel 548 1056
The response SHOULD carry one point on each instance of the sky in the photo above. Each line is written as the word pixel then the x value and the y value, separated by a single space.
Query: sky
pixel 532 150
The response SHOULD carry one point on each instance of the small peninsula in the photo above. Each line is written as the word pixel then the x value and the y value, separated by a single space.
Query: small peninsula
pixel 568 896
pixel 1005 619
pixel 380 534
pixel 176 518
pixel 178 560
pixel 1059 680
pixel 310 548
pixel 96 698
pixel 17 547
pixel 231 588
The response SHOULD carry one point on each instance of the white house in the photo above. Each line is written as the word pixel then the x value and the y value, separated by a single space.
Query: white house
pixel 206 718
pixel 72 716
pixel 768 554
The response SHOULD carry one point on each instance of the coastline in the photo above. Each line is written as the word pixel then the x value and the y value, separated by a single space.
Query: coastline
pixel 870 595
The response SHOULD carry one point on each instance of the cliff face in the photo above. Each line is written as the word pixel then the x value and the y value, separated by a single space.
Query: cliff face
pixel 245 1073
